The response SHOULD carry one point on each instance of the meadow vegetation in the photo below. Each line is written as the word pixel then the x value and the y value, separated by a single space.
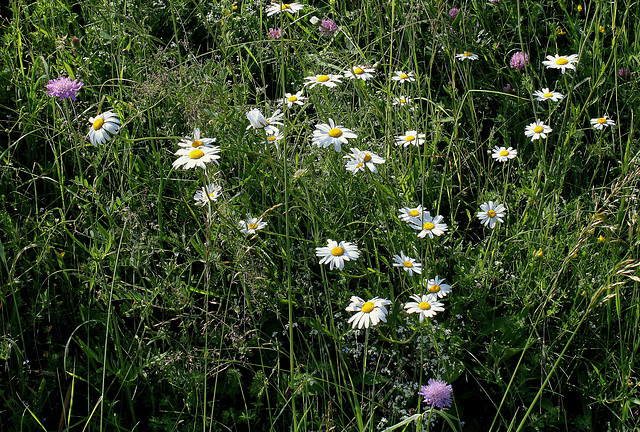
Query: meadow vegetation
pixel 246 216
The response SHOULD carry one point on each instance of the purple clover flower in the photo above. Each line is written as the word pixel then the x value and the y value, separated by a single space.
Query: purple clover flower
pixel 624 72
pixel 453 12
pixel 63 87
pixel 437 393
pixel 275 33
pixel 519 60
pixel 327 27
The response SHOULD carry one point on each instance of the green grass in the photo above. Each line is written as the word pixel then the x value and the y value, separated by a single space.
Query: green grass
pixel 127 307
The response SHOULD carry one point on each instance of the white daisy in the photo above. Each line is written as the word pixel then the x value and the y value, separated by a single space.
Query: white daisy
pixel 251 225
pixel 409 214
pixel 425 305
pixel 196 141
pixel 428 225
pixel 329 80
pixel 410 137
pixel 467 56
pixel 561 62
pixel 332 133
pixel 196 157
pixel 358 160
pixel 209 193
pixel 401 100
pixel 274 135
pixel 437 287
pixel 537 130
pixel 101 126
pixel 546 94
pixel 491 213
pixel 408 264
pixel 602 122
pixel 403 77
pixel 259 121
pixel 335 254
pixel 359 72
pixel 276 8
pixel 291 99
pixel 368 313
pixel 502 154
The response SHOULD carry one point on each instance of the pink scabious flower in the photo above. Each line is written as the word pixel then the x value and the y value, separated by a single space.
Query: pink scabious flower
pixel 327 27
pixel 519 60
pixel 453 12
pixel 275 33
pixel 437 393
pixel 63 87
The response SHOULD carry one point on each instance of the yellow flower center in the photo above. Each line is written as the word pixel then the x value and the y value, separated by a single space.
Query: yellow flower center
pixel 414 212
pixel 358 71
pixel 428 226
pixel 404 76
pixel 212 196
pixel 98 124
pixel 491 213
pixel 410 138
pixel 434 288
pixel 323 78
pixel 253 225
pixel 368 307
pixel 424 305
pixel 602 120
pixel 284 6
pixel 271 138
pixel 359 165
pixel 367 157
pixel 197 143
pixel 292 98
pixel 408 264
pixel 504 153
pixel 538 129
pixel 547 95
pixel 196 154
pixel 467 54
pixel 335 133
pixel 337 251
pixel 562 61
pixel 403 100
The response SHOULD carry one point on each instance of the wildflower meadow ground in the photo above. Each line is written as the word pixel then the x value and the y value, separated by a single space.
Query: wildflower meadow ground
pixel 320 216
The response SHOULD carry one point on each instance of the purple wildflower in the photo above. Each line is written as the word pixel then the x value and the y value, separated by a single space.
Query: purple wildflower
pixel 519 60
pixel 494 1
pixel 624 72
pixel 453 12
pixel 275 33
pixel 437 393
pixel 508 89
pixel 328 27
pixel 63 87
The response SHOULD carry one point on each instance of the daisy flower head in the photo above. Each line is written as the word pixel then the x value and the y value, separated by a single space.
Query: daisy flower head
pixel 437 287
pixel 101 126
pixel 259 121
pixel 503 154
pixel 546 94
pixel 602 122
pixel 437 393
pixel 291 99
pixel 368 313
pixel 408 264
pixel 63 87
pixel 329 80
pixel 196 157
pixel 332 133
pixel 359 72
pixel 428 225
pixel 467 56
pixel 401 100
pixel 561 62
pixel 276 8
pixel 537 130
pixel 358 160
pixel 251 225
pixel 274 135
pixel 409 214
pixel 335 254
pixel 426 305
pixel 209 193
pixel 403 77
pixel 410 138
pixel 490 213
pixel 196 141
